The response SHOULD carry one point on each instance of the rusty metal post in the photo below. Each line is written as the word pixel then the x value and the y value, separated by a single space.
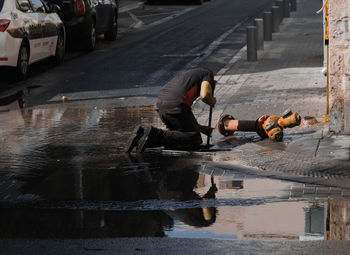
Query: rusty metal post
pixel 259 24
pixel 267 26
pixel 252 54
pixel 275 18
pixel 280 4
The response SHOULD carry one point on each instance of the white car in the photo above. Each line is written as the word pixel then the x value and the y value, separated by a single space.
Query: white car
pixel 29 32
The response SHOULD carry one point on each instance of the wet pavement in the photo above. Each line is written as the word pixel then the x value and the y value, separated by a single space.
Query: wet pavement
pixel 180 203
pixel 64 174
pixel 67 187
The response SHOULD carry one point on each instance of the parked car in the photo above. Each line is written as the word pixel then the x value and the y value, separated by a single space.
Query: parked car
pixel 29 32
pixel 86 19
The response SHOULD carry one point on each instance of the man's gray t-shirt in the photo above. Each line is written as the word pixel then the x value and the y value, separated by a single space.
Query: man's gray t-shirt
pixel 182 86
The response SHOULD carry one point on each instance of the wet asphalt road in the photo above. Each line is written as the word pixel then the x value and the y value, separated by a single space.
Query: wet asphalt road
pixel 64 173
pixel 150 54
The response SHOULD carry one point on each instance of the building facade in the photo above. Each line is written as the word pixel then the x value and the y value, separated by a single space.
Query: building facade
pixel 339 66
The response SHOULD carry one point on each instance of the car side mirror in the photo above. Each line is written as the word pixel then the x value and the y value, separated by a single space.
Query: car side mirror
pixel 55 8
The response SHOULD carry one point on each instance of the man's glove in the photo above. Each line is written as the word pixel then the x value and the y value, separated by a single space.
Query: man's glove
pixel 212 102
pixel 206 130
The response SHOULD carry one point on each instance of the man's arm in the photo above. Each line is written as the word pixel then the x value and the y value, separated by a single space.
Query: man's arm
pixel 206 94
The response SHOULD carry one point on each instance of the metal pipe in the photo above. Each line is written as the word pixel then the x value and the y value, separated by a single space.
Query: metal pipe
pixel 209 121
pixel 280 4
pixel 246 125
pixel 267 26
pixel 240 125
pixel 286 9
pixel 259 24
pixel 251 44
pixel 293 5
pixel 265 126
pixel 275 18
pixel 324 70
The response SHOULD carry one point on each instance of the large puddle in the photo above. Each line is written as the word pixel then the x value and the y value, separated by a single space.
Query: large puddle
pixel 63 174
pixel 151 202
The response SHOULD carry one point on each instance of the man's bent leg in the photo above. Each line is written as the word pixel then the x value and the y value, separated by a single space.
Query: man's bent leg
pixel 182 140
pixel 152 137
pixel 183 121
pixel 155 137
pixel 184 130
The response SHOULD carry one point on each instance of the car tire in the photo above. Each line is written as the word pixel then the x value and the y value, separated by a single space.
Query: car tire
pixel 111 34
pixel 22 68
pixel 60 49
pixel 199 2
pixel 90 41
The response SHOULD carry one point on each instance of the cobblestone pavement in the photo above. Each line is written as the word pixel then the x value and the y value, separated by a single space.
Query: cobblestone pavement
pixel 286 75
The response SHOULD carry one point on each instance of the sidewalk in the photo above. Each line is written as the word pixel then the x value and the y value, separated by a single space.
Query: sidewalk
pixel 127 5
pixel 286 75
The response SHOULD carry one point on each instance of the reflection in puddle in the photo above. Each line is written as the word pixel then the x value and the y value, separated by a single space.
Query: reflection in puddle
pixel 275 213
pixel 175 203
pixel 63 175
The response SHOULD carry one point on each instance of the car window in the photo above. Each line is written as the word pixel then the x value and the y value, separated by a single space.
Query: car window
pixel 38 6
pixel 1 4
pixel 24 6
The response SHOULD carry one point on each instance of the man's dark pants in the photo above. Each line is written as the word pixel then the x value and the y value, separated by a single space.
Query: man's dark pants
pixel 183 130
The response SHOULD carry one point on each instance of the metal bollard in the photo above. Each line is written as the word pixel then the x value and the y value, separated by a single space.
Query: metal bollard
pixel 293 5
pixel 280 4
pixel 275 18
pixel 259 24
pixel 252 54
pixel 286 8
pixel 267 26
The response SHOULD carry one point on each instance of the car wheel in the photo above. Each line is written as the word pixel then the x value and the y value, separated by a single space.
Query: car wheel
pixel 22 68
pixel 91 37
pixel 200 1
pixel 60 49
pixel 111 34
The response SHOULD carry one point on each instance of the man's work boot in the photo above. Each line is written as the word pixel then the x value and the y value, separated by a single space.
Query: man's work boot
pixel 148 140
pixel 133 141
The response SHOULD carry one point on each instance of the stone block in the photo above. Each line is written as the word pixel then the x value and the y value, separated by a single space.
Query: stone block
pixel 347 103
pixel 346 59
pixel 339 9
pixel 339 33
pixel 340 211
pixel 335 87
pixel 342 28
pixel 336 61
pixel 339 232
pixel 336 117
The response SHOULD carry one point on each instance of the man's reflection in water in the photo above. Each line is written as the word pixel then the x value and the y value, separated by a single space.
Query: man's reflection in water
pixel 169 179
pixel 178 186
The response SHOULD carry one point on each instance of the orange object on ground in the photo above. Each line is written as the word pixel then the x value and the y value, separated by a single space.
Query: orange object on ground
pixel 272 129
pixel 289 119
pixel 266 126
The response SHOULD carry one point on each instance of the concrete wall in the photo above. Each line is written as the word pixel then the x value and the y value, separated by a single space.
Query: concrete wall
pixel 339 65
